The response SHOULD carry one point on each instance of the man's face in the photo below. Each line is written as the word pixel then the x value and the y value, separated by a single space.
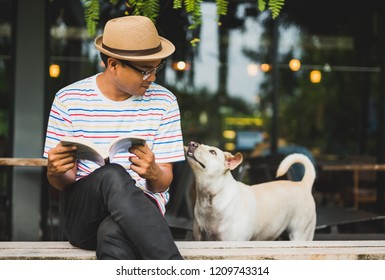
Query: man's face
pixel 135 77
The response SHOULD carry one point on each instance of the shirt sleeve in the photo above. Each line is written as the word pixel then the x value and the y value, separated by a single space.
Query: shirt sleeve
pixel 59 125
pixel 168 144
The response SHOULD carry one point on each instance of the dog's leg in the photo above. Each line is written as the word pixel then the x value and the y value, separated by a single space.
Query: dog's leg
pixel 302 236
pixel 303 233
pixel 196 232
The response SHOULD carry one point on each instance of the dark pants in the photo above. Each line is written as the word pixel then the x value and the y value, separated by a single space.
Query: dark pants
pixel 107 212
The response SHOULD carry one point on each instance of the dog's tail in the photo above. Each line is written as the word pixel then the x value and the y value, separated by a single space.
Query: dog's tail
pixel 287 162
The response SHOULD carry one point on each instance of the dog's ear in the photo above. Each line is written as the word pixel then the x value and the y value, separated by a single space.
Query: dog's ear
pixel 232 161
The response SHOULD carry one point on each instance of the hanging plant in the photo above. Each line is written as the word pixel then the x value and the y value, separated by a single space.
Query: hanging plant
pixel 91 15
pixel 150 9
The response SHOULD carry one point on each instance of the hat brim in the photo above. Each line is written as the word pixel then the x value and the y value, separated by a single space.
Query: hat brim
pixel 167 49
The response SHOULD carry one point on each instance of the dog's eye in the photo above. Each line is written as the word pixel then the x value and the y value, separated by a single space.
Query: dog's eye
pixel 213 152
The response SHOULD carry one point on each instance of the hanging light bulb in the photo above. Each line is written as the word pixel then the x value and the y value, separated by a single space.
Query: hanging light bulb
pixel 265 67
pixel 295 64
pixel 54 70
pixel 315 76
pixel 181 66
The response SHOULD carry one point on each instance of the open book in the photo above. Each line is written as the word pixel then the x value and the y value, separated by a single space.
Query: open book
pixel 89 151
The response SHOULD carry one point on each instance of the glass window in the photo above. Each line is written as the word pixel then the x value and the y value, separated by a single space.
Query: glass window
pixel 298 72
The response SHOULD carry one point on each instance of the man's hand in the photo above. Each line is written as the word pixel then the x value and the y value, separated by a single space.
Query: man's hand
pixel 61 168
pixel 158 176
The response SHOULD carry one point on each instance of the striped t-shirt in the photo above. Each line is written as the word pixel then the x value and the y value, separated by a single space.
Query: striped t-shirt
pixel 81 110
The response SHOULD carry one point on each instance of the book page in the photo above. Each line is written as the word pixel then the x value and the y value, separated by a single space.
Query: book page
pixel 85 149
pixel 122 144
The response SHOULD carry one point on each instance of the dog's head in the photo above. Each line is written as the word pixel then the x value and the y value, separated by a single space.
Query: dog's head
pixel 210 160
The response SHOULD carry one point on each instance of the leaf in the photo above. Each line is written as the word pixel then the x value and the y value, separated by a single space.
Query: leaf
pixel 91 15
pixel 193 9
pixel 148 8
pixel 177 4
pixel 222 6
pixel 275 7
pixel 261 5
pixel 194 42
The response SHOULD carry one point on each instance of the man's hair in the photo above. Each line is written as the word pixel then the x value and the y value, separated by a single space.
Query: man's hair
pixel 104 58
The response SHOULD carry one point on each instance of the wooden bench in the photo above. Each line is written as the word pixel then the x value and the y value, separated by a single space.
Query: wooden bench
pixel 194 250
pixel 23 162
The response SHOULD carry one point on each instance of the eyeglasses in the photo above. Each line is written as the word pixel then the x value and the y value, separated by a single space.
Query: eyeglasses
pixel 146 74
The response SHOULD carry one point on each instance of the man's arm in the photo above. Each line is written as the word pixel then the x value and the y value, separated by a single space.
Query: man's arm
pixel 161 179
pixel 61 168
pixel 158 176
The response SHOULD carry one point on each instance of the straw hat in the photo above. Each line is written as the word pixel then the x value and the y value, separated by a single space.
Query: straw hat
pixel 133 38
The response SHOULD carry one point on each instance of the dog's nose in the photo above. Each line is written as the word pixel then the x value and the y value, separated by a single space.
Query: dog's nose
pixel 191 148
pixel 193 144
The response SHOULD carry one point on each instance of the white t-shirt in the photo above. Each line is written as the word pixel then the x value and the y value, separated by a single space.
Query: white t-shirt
pixel 81 110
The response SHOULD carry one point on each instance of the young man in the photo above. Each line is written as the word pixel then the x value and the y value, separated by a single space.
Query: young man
pixel 118 208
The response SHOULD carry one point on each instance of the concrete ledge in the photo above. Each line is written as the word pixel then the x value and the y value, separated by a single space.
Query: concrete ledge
pixel 193 250
pixel 44 250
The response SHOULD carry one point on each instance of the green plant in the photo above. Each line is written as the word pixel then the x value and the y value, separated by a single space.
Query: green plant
pixel 91 15
pixel 150 8
pixel 274 6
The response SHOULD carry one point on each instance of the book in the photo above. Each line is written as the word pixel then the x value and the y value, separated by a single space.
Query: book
pixel 89 151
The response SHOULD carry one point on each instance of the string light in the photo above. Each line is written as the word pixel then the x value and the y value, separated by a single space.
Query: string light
pixel 54 70
pixel 315 76
pixel 295 64
pixel 265 67
pixel 181 66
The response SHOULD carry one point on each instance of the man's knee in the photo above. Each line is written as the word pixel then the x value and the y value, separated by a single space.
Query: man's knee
pixel 112 242
pixel 113 176
pixel 113 170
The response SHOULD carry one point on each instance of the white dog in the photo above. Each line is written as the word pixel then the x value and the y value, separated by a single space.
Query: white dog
pixel 228 210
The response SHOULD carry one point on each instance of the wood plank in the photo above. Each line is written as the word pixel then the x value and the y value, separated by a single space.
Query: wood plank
pixel 284 250
pixel 278 244
pixel 23 162
pixel 43 251
pixel 194 250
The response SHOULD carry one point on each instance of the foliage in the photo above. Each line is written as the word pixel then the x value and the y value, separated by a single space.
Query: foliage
pixel 193 8
pixel 275 7
pixel 91 15
pixel 150 8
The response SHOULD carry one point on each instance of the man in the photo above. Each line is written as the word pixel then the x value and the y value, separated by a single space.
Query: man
pixel 117 208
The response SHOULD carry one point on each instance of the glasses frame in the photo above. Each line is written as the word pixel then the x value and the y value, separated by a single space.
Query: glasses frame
pixel 146 74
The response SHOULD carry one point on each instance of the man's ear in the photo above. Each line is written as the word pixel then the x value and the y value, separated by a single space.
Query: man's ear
pixel 112 61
